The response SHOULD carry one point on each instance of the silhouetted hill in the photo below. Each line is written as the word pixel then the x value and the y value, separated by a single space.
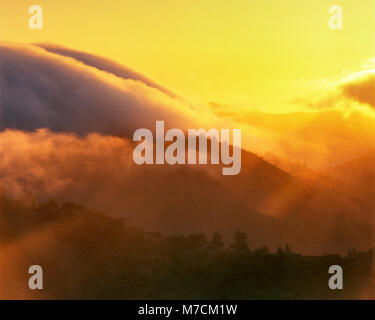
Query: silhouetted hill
pixel 272 206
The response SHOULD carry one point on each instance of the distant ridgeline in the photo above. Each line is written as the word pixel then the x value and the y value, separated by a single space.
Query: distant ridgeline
pixel 87 255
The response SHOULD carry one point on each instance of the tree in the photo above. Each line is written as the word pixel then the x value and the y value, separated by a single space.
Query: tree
pixel 287 249
pixel 240 242
pixel 217 241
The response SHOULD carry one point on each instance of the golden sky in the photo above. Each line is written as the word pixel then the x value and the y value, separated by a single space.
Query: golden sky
pixel 243 53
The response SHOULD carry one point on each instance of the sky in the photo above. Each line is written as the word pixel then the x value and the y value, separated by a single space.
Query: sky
pixel 258 55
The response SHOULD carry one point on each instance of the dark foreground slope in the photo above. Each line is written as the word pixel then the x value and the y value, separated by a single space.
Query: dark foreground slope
pixel 87 255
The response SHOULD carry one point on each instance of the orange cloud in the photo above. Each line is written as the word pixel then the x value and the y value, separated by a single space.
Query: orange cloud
pixel 361 90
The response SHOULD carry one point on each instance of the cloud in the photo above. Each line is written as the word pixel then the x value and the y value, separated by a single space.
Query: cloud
pixel 352 91
pixel 40 89
pixel 99 171
pixel 64 90
pixel 326 101
pixel 361 89
pixel 334 123
pixel 319 139
pixel 107 65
